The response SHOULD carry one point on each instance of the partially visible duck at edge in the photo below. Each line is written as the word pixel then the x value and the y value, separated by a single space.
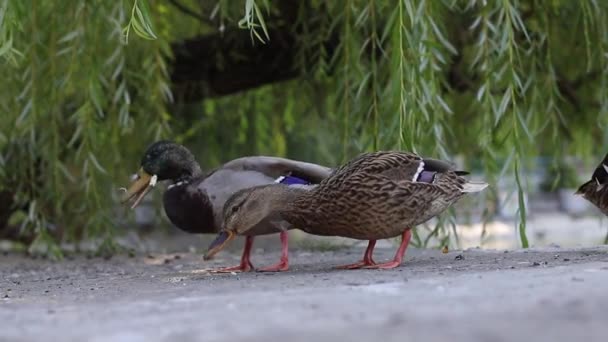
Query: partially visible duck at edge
pixel 375 196
pixel 596 189
pixel 194 200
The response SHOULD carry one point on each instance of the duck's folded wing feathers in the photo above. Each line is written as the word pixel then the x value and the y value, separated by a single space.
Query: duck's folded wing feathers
pixel 442 166
pixel 395 165
pixel 275 167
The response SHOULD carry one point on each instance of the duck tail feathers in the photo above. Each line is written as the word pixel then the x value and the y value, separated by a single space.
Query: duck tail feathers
pixel 474 186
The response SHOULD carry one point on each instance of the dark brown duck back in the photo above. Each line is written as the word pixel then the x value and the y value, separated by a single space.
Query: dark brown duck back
pixel 377 196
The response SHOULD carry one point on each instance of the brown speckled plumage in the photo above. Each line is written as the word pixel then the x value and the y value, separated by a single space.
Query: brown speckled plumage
pixel 596 189
pixel 374 196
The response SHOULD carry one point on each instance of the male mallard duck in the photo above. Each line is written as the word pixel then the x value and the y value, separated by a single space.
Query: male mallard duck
pixel 377 195
pixel 596 190
pixel 194 201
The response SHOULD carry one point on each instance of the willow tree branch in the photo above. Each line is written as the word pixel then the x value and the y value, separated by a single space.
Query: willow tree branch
pixel 220 64
pixel 223 63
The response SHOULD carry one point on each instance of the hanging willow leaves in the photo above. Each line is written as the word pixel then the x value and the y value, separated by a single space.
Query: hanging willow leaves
pixel 140 21
pixel 9 12
pixel 252 12
pixel 495 85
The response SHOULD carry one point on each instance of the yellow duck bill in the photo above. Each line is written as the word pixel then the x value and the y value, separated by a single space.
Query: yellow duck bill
pixel 138 189
pixel 219 243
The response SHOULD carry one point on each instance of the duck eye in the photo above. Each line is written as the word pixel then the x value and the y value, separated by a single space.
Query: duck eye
pixel 235 209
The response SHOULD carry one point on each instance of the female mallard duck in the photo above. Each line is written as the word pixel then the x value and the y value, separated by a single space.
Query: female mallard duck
pixel 596 190
pixel 375 196
pixel 194 201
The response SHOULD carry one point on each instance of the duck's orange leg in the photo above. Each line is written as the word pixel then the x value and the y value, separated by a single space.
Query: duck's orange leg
pixel 282 265
pixel 405 240
pixel 245 265
pixel 367 258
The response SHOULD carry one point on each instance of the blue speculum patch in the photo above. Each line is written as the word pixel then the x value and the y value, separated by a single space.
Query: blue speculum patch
pixel 426 177
pixel 291 180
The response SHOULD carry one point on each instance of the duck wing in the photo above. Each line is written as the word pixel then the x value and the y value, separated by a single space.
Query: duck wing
pixel 398 166
pixel 247 172
pixel 395 165
pixel 374 206
pixel 420 201
pixel 275 167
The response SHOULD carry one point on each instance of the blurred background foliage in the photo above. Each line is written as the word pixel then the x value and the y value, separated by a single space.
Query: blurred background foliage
pixel 87 85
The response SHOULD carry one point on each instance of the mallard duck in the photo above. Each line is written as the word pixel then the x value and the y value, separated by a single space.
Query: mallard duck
pixel 193 201
pixel 596 190
pixel 375 196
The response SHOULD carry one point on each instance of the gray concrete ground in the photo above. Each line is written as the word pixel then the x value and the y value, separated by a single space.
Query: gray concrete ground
pixel 548 294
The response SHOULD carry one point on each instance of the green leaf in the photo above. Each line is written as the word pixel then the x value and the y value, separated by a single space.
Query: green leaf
pixel 522 208
pixel 261 20
pixel 140 22
pixel 96 163
pixel 441 38
pixel 252 12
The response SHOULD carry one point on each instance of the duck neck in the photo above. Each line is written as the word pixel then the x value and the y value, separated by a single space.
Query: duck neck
pixel 190 172
pixel 195 169
pixel 189 208
pixel 296 204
